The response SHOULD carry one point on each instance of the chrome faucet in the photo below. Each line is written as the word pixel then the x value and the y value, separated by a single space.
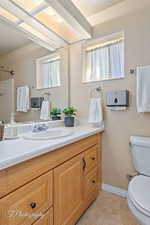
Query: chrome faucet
pixel 40 127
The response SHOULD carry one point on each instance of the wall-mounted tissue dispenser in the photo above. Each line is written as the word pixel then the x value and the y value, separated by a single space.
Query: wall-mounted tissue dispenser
pixel 36 102
pixel 118 98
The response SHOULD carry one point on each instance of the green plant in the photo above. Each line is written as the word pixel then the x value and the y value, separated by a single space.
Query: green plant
pixel 70 111
pixel 55 111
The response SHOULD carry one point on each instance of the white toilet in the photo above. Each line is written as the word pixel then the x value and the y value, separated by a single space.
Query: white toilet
pixel 139 187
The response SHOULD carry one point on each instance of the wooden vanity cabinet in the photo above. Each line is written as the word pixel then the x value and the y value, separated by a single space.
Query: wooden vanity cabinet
pixel 62 186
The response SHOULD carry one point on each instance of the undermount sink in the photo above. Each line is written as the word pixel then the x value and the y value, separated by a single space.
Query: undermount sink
pixel 48 134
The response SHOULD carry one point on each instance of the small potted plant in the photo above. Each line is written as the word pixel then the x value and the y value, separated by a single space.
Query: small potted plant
pixel 69 112
pixel 55 114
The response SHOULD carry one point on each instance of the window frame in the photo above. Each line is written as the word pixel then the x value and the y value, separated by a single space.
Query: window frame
pixel 96 42
pixel 39 62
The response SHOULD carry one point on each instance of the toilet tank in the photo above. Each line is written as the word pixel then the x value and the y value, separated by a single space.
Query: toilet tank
pixel 140 147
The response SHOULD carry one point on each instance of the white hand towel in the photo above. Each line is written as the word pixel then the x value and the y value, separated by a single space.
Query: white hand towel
pixel 23 99
pixel 95 111
pixel 45 110
pixel 143 89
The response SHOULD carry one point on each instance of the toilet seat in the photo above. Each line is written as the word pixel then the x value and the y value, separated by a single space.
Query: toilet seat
pixel 139 193
pixel 139 198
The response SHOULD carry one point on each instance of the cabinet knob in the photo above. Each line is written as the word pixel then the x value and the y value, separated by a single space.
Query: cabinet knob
pixel 93 181
pixel 33 205
pixel 93 158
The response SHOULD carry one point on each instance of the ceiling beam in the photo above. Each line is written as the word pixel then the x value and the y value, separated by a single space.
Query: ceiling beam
pixel 69 12
pixel 38 41
pixel 123 8
pixel 29 35
pixel 54 40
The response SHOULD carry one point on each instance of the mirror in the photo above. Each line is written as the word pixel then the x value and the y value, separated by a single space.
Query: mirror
pixel 41 72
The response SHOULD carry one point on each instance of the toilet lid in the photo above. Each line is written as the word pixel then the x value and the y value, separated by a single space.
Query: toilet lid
pixel 139 193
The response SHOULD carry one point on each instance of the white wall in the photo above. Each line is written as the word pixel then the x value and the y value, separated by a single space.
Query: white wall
pixel 119 125
pixel 5 100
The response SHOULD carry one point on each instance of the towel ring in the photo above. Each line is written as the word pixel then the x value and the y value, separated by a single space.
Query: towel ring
pixel 46 96
pixel 96 92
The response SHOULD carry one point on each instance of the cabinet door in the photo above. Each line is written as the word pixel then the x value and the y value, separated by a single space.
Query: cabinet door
pixel 68 191
pixel 46 219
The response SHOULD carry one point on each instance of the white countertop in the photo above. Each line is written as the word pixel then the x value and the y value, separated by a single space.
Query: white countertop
pixel 19 150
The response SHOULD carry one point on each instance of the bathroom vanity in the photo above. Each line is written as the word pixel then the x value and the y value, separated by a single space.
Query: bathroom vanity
pixel 50 187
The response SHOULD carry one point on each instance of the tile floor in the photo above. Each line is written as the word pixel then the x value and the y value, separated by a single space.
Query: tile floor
pixel 108 209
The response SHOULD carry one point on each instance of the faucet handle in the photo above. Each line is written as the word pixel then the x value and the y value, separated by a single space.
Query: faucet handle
pixel 35 128
pixel 44 126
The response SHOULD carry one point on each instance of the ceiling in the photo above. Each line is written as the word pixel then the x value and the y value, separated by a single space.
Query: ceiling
pixel 100 11
pixel 93 12
pixel 89 8
pixel 10 38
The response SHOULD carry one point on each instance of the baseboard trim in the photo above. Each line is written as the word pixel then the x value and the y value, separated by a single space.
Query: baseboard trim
pixel 115 190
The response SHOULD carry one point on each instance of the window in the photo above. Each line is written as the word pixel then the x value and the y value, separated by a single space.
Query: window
pixel 48 71
pixel 104 60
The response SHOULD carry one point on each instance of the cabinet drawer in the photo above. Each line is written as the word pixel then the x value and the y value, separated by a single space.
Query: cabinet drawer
pixel 91 158
pixel 25 205
pixel 91 181
pixel 46 219
pixel 91 186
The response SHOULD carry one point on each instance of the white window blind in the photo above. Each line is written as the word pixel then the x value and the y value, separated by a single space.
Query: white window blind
pixel 104 61
pixel 50 71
